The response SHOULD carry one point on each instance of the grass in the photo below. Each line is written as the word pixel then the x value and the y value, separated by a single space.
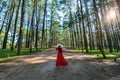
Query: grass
pixel 8 55
pixel 9 58
pixel 98 54
pixel 109 55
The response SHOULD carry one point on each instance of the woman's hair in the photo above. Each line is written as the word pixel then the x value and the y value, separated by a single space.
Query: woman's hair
pixel 59 46
pixel 59 49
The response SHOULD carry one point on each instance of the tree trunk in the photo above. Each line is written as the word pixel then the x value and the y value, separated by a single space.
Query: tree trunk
pixel 99 29
pixel 3 21
pixel 88 24
pixel 32 29
pixel 77 32
pixel 37 25
pixel 84 31
pixel 9 25
pixel 80 29
pixel 15 25
pixel 21 28
pixel 27 34
pixel 43 28
pixel 51 24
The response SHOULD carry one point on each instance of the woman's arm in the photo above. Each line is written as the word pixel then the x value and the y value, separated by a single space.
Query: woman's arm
pixel 56 48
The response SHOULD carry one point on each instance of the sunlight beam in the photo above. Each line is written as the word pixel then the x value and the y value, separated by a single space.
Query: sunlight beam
pixel 111 15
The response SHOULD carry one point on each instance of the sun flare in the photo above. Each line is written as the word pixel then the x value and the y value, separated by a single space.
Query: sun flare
pixel 111 15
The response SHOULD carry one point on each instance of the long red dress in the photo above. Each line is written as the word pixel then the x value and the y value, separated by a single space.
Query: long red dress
pixel 60 58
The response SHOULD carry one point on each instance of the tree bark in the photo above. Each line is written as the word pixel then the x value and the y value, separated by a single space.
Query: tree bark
pixel 37 25
pixel 21 28
pixel 32 29
pixel 9 25
pixel 99 29
pixel 15 25
pixel 84 31
pixel 43 28
pixel 3 21
pixel 88 23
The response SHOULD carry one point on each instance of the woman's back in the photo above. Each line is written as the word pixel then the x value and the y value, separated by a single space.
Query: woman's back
pixel 60 58
pixel 60 50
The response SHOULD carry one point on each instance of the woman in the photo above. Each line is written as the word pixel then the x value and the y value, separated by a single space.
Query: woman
pixel 60 61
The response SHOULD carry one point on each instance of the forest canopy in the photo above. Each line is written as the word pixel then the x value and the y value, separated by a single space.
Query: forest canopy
pixel 78 24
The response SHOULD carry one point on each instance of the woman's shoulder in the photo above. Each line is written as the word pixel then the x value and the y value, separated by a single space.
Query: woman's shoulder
pixel 56 48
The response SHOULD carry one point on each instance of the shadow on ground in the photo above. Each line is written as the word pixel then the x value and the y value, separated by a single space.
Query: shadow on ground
pixel 42 67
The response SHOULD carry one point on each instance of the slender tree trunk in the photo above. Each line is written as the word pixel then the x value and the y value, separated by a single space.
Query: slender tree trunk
pixel 21 28
pixel 80 29
pixel 118 3
pixel 75 36
pixel 88 24
pixel 46 32
pixel 27 34
pixel 51 24
pixel 3 21
pixel 77 31
pixel 43 28
pixel 32 29
pixel 9 25
pixel 84 31
pixel 36 38
pixel 109 41
pixel 115 37
pixel 99 29
pixel 15 25
pixel 37 25
pixel 1 9
pixel 71 30
pixel 93 44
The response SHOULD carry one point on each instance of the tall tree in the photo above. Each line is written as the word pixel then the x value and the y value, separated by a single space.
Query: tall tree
pixel 107 31
pixel 15 25
pixel 84 31
pixel 99 29
pixel 51 24
pixel 21 27
pixel 27 34
pixel 37 25
pixel 32 27
pixel 43 28
pixel 9 25
pixel 88 23
pixel 80 29
pixel 4 21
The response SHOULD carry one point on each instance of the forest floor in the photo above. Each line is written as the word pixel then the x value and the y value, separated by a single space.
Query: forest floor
pixel 41 66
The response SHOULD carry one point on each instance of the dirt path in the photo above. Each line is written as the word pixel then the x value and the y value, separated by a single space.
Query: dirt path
pixel 41 66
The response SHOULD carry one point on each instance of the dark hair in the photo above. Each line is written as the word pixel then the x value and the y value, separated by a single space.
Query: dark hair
pixel 59 46
pixel 59 49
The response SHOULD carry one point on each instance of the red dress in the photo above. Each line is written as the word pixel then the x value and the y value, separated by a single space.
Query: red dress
pixel 60 58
